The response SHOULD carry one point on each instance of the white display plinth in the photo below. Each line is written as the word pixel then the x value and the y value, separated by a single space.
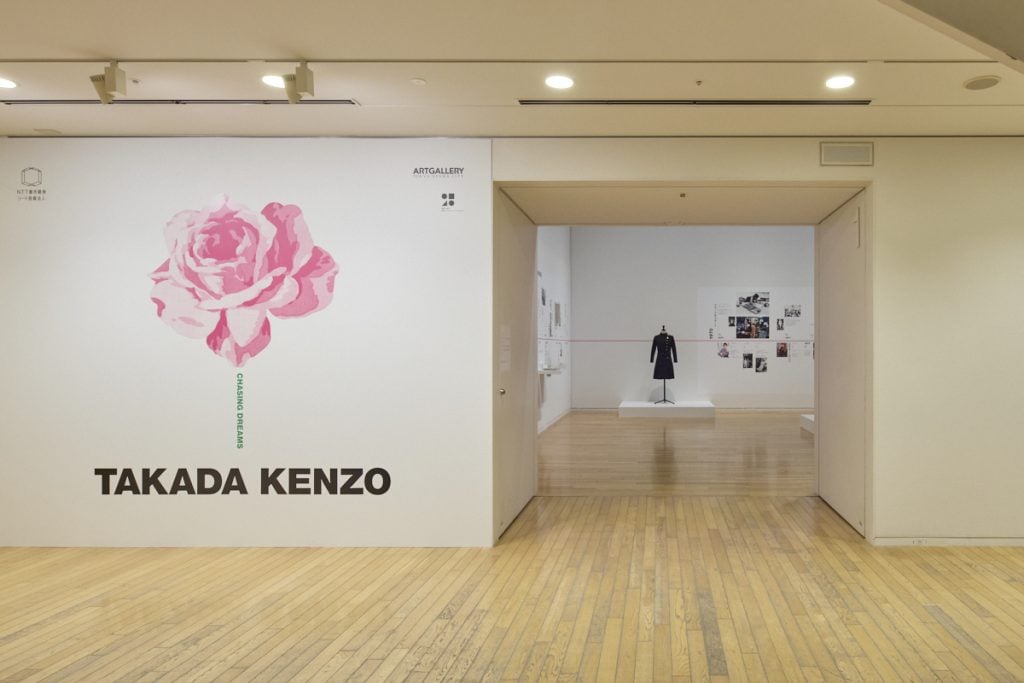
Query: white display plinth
pixel 807 423
pixel 678 409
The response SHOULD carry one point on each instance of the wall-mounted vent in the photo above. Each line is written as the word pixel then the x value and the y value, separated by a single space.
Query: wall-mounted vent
pixel 304 103
pixel 847 154
pixel 700 103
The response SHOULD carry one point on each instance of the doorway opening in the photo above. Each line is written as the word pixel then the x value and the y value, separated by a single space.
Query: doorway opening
pixel 739 285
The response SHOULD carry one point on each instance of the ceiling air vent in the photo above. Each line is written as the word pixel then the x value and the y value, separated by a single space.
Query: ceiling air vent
pixel 700 103
pixel 847 154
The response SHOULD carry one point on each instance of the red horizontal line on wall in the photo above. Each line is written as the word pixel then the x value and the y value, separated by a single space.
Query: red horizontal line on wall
pixel 678 341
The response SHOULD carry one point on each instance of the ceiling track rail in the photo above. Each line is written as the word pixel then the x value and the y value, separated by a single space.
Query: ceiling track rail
pixel 699 103
pixel 470 60
pixel 303 103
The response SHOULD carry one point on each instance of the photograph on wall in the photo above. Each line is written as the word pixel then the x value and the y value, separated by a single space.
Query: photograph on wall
pixel 754 302
pixel 791 380
pixel 752 328
pixel 723 350
pixel 761 364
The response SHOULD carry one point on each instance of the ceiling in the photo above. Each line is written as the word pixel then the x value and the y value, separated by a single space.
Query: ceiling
pixel 584 204
pixel 479 58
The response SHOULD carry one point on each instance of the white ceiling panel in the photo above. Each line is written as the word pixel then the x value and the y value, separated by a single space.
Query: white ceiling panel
pixel 607 204
pixel 467 29
pixel 369 51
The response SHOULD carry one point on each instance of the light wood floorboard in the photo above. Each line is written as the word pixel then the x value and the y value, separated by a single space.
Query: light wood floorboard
pixel 623 570
pixel 739 452
pixel 580 588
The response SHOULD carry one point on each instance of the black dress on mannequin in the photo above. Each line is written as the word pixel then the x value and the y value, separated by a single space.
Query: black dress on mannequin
pixel 664 348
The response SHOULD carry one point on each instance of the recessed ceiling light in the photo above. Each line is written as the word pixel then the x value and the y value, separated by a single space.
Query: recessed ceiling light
pixel 558 82
pixel 274 81
pixel 418 81
pixel 5 83
pixel 981 82
pixel 840 82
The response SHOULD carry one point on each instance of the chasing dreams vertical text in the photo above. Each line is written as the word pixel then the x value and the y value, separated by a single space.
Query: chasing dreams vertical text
pixel 239 411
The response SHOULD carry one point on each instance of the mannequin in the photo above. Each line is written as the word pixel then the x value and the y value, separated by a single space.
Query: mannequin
pixel 664 347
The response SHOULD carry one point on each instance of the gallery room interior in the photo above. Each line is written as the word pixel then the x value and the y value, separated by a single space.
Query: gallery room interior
pixel 477 341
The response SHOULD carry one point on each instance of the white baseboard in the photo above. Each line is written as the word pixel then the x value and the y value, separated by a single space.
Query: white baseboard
pixel 946 541
pixel 541 428
pixel 807 423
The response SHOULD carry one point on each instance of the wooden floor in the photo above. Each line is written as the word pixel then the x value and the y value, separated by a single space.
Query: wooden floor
pixel 651 587
pixel 580 588
pixel 739 452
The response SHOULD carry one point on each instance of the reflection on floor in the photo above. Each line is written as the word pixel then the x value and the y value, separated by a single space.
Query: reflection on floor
pixel 740 452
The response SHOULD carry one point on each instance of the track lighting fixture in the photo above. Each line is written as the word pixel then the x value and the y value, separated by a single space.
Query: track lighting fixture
pixel 109 83
pixel 99 83
pixel 299 84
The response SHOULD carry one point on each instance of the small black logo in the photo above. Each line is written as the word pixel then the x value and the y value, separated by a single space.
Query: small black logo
pixel 447 201
pixel 31 177
pixel 30 190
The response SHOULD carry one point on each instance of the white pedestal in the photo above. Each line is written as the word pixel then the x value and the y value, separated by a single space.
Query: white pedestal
pixel 807 423
pixel 691 409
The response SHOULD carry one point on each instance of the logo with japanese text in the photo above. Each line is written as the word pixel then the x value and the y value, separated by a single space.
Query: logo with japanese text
pixel 31 189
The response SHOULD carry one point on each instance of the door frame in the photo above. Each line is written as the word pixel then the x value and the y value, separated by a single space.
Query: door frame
pixel 867 220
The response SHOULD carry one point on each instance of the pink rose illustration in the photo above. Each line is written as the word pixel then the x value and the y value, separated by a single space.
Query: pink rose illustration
pixel 230 267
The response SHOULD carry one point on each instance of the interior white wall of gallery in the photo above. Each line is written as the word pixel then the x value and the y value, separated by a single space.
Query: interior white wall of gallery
pixel 946 240
pixel 629 281
pixel 95 379
pixel 554 323
pixel 393 374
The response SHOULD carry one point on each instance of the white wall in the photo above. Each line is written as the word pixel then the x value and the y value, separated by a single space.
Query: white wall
pixel 94 379
pixel 629 281
pixel 949 234
pixel 554 267
pixel 395 373
pixel 944 461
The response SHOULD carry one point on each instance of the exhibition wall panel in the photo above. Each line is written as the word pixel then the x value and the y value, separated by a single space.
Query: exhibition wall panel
pixel 949 229
pixel 629 281
pixel 554 323
pixel 841 248
pixel 944 221
pixel 515 361
pixel 246 342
